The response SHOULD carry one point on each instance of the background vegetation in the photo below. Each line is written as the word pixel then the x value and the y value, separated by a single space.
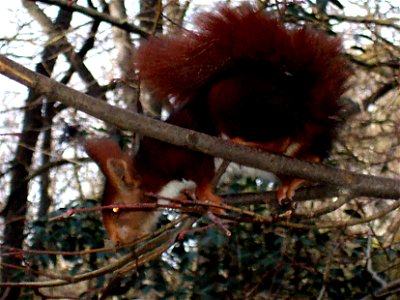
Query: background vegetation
pixel 338 242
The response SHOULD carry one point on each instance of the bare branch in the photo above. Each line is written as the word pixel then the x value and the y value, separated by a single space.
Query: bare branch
pixel 372 186
pixel 389 22
pixel 70 6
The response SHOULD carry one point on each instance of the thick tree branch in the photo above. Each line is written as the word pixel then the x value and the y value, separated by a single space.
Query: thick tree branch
pixel 365 185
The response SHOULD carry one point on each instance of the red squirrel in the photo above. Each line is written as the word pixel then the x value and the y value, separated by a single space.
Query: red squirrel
pixel 243 74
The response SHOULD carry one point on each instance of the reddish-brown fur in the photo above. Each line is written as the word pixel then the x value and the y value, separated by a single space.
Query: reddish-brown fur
pixel 253 78
pixel 247 75
pixel 122 186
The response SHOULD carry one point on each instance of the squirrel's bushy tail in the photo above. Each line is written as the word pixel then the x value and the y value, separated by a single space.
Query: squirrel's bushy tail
pixel 181 65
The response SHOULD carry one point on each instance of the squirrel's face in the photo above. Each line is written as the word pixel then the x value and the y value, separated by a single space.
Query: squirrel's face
pixel 124 225
pixel 132 215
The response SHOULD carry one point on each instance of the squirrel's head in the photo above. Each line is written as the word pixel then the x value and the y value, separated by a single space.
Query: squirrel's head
pixel 124 223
